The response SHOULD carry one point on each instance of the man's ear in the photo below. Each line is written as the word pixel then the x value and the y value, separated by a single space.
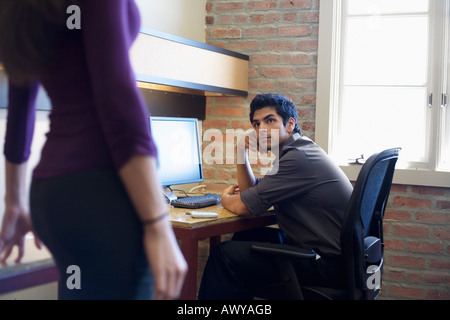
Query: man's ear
pixel 290 125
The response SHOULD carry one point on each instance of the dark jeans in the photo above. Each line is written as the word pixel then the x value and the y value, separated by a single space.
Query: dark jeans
pixel 235 272
pixel 86 219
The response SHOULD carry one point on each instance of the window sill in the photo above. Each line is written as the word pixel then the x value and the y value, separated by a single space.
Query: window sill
pixel 408 176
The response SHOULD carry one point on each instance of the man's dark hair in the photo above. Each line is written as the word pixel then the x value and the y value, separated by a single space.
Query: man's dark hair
pixel 284 107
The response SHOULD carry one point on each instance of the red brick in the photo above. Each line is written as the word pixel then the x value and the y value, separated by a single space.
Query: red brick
pixel 216 186
pixel 414 277
pixel 259 32
pixel 261 5
pixel 399 188
pixel 209 20
pixel 297 58
pixel 208 173
pixel 229 111
pixel 241 125
pixel 260 84
pixel 421 232
pixel 413 293
pixel 224 175
pixel 433 278
pixel 425 247
pixel 394 244
pixel 226 19
pixel 308 45
pixel 237 100
pixel 308 126
pixel 233 6
pixel 219 44
pixel 278 46
pixel 253 72
pixel 226 33
pixel 427 190
pixel 409 202
pixel 240 18
pixel 433 217
pixel 445 205
pixel 290 17
pixel 395 275
pixel 310 17
pixel 272 17
pixel 246 46
pixel 440 264
pixel 276 72
pixel 295 4
pixel 436 294
pixel 442 233
pixel 257 18
pixel 396 215
pixel 263 58
pixel 306 73
pixel 304 114
pixel 308 99
pixel 289 86
pixel 300 31
pixel 405 261
pixel 210 123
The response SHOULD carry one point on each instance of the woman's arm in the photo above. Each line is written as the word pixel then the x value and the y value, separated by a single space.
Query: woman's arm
pixel 165 258
pixel 19 135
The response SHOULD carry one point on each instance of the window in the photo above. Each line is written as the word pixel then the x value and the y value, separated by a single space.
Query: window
pixel 383 82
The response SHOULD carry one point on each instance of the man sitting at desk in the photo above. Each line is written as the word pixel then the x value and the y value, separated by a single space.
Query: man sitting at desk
pixel 310 194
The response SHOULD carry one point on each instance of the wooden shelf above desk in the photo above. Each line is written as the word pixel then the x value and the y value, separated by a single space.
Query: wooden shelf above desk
pixel 167 60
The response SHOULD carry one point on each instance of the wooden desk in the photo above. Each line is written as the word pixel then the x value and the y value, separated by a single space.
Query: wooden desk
pixel 190 230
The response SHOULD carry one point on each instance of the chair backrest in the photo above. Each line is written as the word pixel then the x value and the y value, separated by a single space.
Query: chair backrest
pixel 362 232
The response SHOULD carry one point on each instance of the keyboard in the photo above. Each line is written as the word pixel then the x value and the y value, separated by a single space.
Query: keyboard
pixel 195 202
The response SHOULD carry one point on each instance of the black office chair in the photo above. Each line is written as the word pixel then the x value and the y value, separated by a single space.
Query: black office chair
pixel 361 240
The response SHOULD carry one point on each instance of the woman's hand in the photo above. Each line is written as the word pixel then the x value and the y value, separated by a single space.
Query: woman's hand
pixel 16 224
pixel 167 263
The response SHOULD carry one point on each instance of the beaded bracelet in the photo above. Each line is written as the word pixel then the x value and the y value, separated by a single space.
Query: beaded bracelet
pixel 151 221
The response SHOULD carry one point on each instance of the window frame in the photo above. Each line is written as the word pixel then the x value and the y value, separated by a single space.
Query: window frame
pixel 328 76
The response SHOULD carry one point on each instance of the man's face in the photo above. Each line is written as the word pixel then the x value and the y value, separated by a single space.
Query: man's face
pixel 267 119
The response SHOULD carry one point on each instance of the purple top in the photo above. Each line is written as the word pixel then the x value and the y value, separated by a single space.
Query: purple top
pixel 99 118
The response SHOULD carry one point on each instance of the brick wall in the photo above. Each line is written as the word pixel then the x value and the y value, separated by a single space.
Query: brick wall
pixel 281 38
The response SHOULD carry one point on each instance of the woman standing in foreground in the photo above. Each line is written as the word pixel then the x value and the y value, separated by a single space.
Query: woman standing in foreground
pixel 95 200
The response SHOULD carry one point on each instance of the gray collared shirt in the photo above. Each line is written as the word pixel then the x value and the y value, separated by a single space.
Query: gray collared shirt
pixel 310 194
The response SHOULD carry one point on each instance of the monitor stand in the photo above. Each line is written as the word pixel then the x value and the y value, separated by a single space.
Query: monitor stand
pixel 169 195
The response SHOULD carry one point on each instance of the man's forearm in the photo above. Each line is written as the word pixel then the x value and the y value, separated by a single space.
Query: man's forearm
pixel 233 203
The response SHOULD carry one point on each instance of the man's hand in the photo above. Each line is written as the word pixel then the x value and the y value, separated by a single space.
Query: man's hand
pixel 234 189
pixel 231 200
pixel 247 141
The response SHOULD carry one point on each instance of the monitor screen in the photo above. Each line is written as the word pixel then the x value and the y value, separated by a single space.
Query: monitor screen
pixel 179 150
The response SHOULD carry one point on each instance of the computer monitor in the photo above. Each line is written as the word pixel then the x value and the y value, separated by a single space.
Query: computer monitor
pixel 179 151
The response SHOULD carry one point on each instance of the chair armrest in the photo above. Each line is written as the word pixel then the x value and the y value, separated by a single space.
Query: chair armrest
pixel 284 250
